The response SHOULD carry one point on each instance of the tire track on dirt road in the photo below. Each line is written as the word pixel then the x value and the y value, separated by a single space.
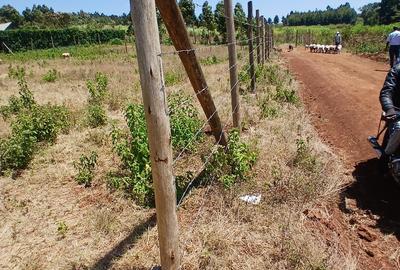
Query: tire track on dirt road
pixel 341 93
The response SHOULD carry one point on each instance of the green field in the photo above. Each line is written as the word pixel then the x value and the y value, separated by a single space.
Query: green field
pixel 360 39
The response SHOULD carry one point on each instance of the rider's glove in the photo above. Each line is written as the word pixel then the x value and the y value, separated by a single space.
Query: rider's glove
pixel 391 114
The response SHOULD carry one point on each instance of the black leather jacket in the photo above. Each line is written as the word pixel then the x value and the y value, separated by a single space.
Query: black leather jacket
pixel 390 93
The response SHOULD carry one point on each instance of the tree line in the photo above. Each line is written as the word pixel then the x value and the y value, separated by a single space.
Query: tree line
pixel 385 12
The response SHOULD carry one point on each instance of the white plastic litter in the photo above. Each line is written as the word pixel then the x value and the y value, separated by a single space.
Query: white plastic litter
pixel 253 199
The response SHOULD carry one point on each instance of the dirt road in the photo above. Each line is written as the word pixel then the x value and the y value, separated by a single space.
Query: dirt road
pixel 341 93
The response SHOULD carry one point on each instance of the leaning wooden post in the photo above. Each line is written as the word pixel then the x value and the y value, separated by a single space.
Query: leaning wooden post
pixel 251 47
pixel 258 33
pixel 148 48
pixel 262 40
pixel 234 80
pixel 177 30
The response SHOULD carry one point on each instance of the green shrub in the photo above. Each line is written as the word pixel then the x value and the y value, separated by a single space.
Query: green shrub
pixel 97 88
pixel 134 153
pixel 16 73
pixel 96 116
pixel 133 149
pixel 85 167
pixel 185 122
pixel 233 164
pixel 210 60
pixel 39 124
pixel 51 75
pixel 268 108
pixel 286 94
pixel 116 41
pixel 172 77
pixel 304 156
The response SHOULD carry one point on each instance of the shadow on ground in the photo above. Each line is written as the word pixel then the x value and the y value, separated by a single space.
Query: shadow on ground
pixel 125 245
pixel 376 194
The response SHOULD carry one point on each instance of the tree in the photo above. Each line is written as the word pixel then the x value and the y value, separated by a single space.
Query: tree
pixel 10 14
pixel 389 11
pixel 207 18
pixel 269 21
pixel 370 13
pixel 220 18
pixel 284 20
pixel 188 12
pixel 276 19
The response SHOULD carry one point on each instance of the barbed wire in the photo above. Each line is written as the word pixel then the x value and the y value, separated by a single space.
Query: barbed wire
pixel 179 157
pixel 207 47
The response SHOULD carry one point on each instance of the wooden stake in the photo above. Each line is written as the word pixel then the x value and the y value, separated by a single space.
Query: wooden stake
pixel 251 46
pixel 151 79
pixel 266 39
pixel 230 26
pixel 52 42
pixel 262 40
pixel 177 30
pixel 258 33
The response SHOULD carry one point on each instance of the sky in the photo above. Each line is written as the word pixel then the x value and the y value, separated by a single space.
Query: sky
pixel 268 8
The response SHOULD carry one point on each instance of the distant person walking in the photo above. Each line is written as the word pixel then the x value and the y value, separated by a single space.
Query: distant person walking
pixel 338 39
pixel 393 42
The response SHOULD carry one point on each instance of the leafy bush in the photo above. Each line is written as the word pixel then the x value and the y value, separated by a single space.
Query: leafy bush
pixel 51 75
pixel 268 109
pixel 232 164
pixel 96 116
pixel 32 124
pixel 210 60
pixel 286 94
pixel 85 167
pixel 116 41
pixel 97 88
pixel 304 156
pixel 133 149
pixel 16 73
pixel 185 122
pixel 172 77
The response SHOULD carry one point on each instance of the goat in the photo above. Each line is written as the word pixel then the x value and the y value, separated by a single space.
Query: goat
pixel 66 55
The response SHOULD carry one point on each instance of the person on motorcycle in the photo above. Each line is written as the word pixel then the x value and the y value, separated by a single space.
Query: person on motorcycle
pixel 390 101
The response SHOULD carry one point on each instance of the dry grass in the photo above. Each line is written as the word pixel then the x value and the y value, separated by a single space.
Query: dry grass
pixel 218 231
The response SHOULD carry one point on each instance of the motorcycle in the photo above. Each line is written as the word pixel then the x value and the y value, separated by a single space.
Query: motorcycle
pixel 389 151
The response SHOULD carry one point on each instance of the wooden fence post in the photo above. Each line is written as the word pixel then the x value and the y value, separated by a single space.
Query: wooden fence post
pixel 52 41
pixel 266 39
pixel 233 73
pixel 251 46
pixel 297 37
pixel 148 49
pixel 176 27
pixel 262 40
pixel 258 33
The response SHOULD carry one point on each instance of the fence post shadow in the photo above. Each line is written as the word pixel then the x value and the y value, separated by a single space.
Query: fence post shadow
pixel 125 245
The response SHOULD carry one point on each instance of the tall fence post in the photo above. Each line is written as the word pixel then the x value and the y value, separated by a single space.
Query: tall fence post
pixel 251 46
pixel 233 73
pixel 258 33
pixel 148 49
pixel 176 27
pixel 266 39
pixel 262 40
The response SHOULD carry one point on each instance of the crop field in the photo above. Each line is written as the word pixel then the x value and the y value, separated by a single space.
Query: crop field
pixel 75 187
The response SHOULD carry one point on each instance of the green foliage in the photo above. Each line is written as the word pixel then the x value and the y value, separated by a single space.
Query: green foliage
pixel 268 109
pixel 134 153
pixel 97 88
pixel 62 229
pixel 207 18
pixel 185 122
pixel 22 40
pixel 344 14
pixel 116 41
pixel 51 75
pixel 210 60
pixel 16 73
pixel 96 116
pixel 30 125
pixel 188 10
pixel 304 156
pixel 285 93
pixel 85 167
pixel 232 164
pixel 133 150
pixel 173 77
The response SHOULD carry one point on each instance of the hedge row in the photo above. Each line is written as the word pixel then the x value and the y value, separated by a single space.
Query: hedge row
pixel 22 40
